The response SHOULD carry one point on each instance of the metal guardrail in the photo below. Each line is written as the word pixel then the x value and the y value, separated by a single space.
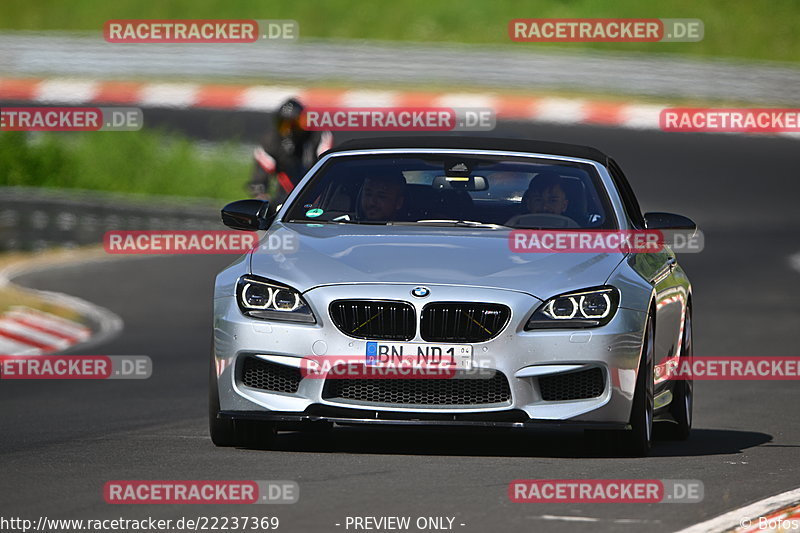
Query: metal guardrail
pixel 34 219
pixel 518 66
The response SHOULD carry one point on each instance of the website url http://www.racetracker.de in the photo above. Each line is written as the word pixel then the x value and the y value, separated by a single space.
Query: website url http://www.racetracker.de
pixel 143 525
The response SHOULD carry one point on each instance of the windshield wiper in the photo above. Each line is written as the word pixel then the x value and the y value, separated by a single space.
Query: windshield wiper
pixel 457 223
pixel 303 221
pixel 315 221
pixel 369 222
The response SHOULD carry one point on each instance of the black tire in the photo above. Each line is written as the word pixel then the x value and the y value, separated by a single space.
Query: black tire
pixel 683 392
pixel 638 440
pixel 239 433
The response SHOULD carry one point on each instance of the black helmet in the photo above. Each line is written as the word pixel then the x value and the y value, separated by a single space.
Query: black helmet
pixel 287 120
pixel 290 110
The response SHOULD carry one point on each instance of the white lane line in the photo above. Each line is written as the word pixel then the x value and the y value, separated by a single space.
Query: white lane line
pixel 740 517
pixel 794 261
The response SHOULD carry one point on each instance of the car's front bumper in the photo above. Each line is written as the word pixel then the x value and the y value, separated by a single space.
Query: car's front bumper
pixel 523 357
pixel 320 414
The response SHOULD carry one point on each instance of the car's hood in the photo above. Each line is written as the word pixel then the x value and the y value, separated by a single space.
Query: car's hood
pixel 330 254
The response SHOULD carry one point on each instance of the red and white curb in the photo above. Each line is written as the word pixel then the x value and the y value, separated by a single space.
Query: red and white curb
pixel 267 98
pixel 27 331
pixel 784 506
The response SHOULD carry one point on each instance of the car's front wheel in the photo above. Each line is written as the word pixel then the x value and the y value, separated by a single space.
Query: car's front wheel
pixel 227 432
pixel 638 440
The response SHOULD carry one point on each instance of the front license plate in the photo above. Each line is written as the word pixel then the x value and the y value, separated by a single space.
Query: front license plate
pixel 409 353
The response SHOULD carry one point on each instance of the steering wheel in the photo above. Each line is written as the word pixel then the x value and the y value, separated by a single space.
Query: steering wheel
pixel 542 220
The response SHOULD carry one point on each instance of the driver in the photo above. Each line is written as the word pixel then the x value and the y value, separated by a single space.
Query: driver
pixel 382 196
pixel 545 195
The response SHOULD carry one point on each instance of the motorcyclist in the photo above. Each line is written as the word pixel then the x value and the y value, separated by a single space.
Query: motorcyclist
pixel 286 153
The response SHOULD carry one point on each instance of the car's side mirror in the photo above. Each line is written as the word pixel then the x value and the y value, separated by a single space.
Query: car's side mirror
pixel 669 221
pixel 247 215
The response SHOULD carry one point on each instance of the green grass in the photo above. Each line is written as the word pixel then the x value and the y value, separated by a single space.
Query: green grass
pixel 751 29
pixel 142 162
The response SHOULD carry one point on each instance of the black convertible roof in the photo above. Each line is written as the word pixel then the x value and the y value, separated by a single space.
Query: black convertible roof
pixel 475 143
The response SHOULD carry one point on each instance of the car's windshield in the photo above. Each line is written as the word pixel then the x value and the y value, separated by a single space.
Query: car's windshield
pixel 455 190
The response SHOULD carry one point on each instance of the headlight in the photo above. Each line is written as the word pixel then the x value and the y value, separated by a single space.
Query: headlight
pixel 584 309
pixel 262 298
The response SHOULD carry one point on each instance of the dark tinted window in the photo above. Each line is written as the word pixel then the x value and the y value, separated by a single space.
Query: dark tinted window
pixel 431 188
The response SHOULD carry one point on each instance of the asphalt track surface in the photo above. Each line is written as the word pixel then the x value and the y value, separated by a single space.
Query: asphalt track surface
pixel 61 441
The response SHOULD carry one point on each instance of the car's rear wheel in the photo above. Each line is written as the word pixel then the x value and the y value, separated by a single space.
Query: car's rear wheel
pixel 638 440
pixel 683 392
pixel 227 432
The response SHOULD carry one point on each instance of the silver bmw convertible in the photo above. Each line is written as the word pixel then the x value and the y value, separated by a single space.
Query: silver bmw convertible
pixel 390 287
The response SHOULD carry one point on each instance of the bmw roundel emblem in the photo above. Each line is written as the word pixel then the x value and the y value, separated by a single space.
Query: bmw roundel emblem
pixel 420 292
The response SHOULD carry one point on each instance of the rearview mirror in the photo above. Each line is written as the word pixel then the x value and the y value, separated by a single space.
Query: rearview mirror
pixel 464 183
pixel 247 215
pixel 668 221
